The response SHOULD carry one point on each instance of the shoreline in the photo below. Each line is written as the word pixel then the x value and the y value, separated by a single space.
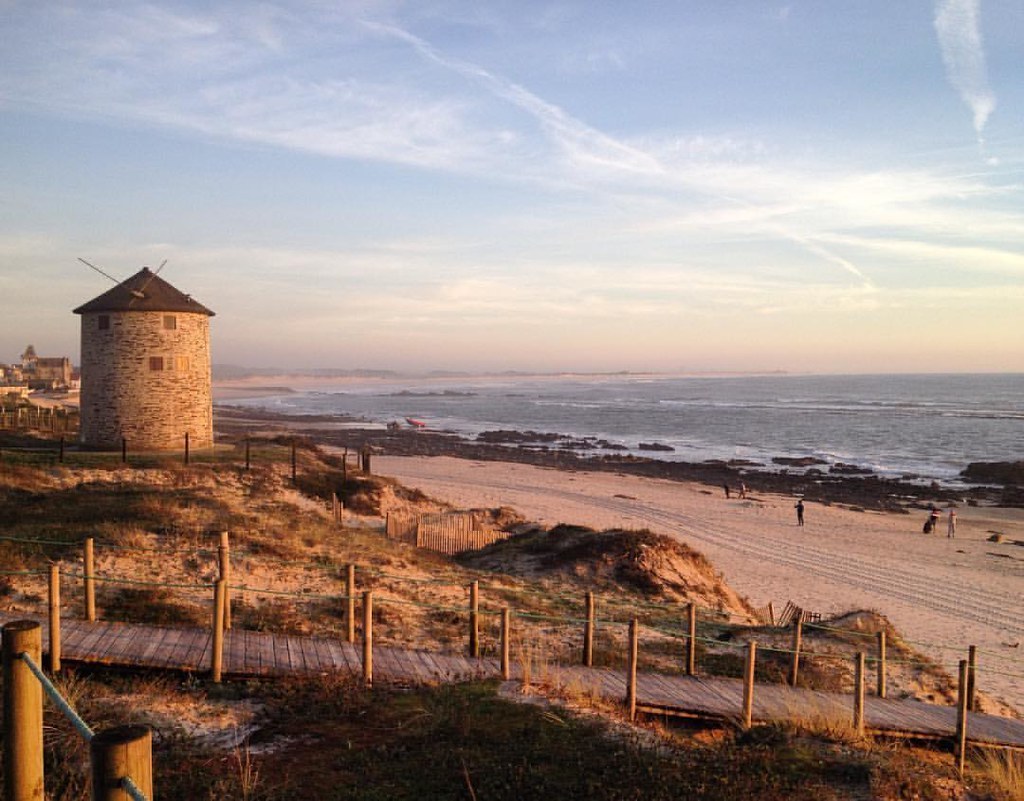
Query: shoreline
pixel 855 489
pixel 939 591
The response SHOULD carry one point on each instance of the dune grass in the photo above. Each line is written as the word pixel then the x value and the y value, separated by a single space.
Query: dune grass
pixel 328 737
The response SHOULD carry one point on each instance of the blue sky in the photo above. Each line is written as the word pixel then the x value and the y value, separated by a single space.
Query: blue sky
pixel 810 186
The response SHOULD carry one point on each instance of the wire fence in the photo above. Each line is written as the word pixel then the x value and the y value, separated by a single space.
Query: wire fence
pixel 666 619
pixel 499 633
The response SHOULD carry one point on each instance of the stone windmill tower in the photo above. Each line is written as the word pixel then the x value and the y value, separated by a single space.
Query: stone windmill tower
pixel 145 367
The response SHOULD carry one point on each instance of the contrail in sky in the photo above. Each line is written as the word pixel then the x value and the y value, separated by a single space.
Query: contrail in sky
pixel 582 142
pixel 956 22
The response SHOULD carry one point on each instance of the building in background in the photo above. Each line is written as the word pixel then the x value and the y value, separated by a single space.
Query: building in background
pixel 45 372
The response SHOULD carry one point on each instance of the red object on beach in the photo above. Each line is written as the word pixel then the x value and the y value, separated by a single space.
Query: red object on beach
pixel 415 423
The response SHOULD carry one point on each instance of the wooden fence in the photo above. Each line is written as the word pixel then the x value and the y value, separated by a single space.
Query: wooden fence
pixel 39 418
pixel 121 757
pixel 669 703
pixel 767 616
pixel 448 533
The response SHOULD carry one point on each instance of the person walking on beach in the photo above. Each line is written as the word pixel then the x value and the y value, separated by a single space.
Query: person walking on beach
pixel 951 528
pixel 743 490
pixel 934 518
pixel 800 512
pixel 726 488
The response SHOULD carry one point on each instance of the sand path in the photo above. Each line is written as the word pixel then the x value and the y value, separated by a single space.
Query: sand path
pixel 947 593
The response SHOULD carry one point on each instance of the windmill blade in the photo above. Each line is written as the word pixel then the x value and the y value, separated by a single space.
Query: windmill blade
pixel 97 269
pixel 141 292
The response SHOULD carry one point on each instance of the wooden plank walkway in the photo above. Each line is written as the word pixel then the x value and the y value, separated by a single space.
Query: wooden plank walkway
pixel 255 653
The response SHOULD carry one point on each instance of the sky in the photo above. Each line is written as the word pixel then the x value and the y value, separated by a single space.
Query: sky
pixel 811 186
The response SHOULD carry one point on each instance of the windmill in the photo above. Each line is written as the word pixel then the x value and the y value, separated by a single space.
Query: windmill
pixel 146 375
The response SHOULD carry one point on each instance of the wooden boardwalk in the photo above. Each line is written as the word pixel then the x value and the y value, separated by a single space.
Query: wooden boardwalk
pixel 254 653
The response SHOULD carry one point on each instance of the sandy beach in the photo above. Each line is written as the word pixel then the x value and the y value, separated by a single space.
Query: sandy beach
pixel 944 593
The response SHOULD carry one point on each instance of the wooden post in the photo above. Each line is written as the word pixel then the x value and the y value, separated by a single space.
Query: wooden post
pixel 474 619
pixel 248 463
pixel 61 457
pixel 224 564
pixel 294 462
pixel 881 665
pixel 858 694
pixel 368 637
pixel 119 753
pixel 961 718
pixel 217 655
pixel 186 447
pixel 691 639
pixel 972 667
pixel 634 653
pixel 23 713
pixel 506 635
pixel 588 633
pixel 798 638
pixel 748 684
pixel 771 613
pixel 89 580
pixel 54 609
pixel 350 603
pixel 344 467
pixel 124 450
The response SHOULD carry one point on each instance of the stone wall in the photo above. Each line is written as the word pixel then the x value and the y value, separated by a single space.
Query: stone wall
pixel 123 395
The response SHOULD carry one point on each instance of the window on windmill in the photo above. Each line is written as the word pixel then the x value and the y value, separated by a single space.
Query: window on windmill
pixel 170 322
pixel 103 322
pixel 156 363
pixel 181 364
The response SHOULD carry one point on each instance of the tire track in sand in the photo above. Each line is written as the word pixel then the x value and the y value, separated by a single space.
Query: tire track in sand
pixel 958 599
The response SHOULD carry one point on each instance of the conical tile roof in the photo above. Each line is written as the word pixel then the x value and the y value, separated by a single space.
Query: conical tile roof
pixel 145 291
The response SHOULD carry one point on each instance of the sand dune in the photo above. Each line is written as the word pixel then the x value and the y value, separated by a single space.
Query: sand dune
pixel 948 593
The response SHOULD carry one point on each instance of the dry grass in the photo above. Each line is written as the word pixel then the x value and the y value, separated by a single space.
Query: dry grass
pixel 822 720
pixel 1003 770
pixel 291 545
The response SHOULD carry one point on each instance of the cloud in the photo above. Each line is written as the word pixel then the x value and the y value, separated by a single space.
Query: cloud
pixel 956 22
pixel 581 143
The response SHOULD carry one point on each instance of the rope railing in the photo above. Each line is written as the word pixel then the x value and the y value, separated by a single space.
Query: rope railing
pixel 121 754
pixel 137 582
pixel 331 566
pixel 288 593
pixel 59 701
pixel 665 621
pixel 36 541
pixel 132 789
pixel 671 631
pixel 750 647
pixel 537 616
pixel 919 643
pixel 419 604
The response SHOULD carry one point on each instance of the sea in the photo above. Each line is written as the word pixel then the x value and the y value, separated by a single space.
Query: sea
pixel 927 427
